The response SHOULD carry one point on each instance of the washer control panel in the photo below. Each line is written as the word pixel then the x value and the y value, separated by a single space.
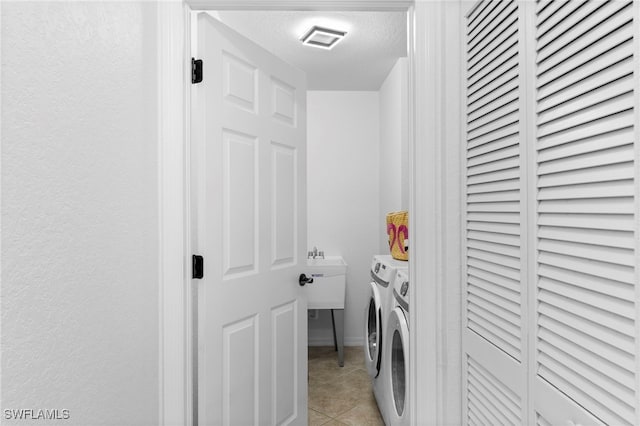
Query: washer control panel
pixel 401 288
pixel 382 272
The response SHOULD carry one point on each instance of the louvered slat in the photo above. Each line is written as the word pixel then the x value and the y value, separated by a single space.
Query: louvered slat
pixel 499 228
pixel 493 70
pixel 611 238
pixel 492 26
pixel 604 285
pixel 547 11
pixel 580 315
pixel 584 33
pixel 585 58
pixel 596 79
pixel 487 291
pixel 593 190
pixel 504 45
pixel 555 343
pixel 493 99
pixel 541 421
pixel 612 172
pixel 590 98
pixel 512 207
pixel 500 160
pixel 496 288
pixel 496 150
pixel 604 383
pixel 598 269
pixel 488 108
pixel 614 155
pixel 575 13
pixel 594 144
pixel 493 116
pixel 586 206
pixel 479 14
pixel 597 64
pixel 490 402
pixel 493 184
pixel 490 89
pixel 610 410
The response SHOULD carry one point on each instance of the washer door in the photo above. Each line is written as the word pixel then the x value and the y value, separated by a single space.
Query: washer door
pixel 397 356
pixel 373 332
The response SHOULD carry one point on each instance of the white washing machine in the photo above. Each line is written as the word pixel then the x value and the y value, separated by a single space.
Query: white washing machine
pixel 383 272
pixel 396 353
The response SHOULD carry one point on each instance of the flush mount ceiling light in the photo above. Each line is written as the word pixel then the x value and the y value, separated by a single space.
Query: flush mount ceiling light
pixel 324 38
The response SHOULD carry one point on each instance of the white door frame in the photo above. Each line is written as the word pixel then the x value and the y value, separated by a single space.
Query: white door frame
pixel 434 138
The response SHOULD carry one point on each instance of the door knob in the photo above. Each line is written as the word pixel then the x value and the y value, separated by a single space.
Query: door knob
pixel 304 280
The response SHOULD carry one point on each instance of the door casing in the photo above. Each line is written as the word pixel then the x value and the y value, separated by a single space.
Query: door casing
pixel 433 190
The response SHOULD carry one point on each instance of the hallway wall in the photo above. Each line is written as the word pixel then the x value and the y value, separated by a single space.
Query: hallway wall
pixel 394 145
pixel 80 211
pixel 343 196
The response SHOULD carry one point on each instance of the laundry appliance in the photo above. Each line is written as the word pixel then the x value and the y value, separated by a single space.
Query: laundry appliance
pixel 383 273
pixel 396 353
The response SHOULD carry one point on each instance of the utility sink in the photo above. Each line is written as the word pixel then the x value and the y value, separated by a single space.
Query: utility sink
pixel 327 291
pixel 329 282
pixel 329 265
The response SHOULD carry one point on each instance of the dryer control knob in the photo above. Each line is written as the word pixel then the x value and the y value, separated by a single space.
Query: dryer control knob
pixel 404 289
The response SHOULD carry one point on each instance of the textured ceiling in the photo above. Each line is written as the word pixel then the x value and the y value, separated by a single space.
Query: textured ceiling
pixel 374 41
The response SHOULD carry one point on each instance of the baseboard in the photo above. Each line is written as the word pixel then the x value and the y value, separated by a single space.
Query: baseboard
pixel 328 341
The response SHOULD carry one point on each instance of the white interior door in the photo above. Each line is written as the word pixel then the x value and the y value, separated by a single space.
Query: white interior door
pixel 552 230
pixel 586 232
pixel 249 156
pixel 494 339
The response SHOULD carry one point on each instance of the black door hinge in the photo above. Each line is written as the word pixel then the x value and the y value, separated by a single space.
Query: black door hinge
pixel 197 266
pixel 196 70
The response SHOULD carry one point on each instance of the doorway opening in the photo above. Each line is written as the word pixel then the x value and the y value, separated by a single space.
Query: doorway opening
pixel 357 169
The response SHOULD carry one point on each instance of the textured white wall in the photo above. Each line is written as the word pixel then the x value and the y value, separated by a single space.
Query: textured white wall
pixel 394 144
pixel 79 211
pixel 343 196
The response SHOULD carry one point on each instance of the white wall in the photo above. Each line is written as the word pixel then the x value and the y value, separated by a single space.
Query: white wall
pixel 343 196
pixel 79 211
pixel 394 145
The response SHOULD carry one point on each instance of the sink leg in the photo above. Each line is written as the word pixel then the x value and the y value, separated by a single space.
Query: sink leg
pixel 333 324
pixel 337 315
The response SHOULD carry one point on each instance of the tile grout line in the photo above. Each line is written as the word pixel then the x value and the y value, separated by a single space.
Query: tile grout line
pixel 324 373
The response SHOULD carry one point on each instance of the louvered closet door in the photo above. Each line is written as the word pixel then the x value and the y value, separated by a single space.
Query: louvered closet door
pixel 492 335
pixel 586 116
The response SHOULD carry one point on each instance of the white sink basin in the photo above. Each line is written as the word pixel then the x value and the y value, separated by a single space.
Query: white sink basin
pixel 330 265
pixel 329 281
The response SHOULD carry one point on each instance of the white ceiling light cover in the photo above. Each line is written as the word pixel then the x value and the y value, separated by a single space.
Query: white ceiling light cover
pixel 324 38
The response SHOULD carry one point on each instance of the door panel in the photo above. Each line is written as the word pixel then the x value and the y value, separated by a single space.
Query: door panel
pixel 249 157
pixel 490 401
pixel 284 163
pixel 495 284
pixel 240 374
pixel 585 358
pixel 566 204
pixel 284 363
pixel 239 194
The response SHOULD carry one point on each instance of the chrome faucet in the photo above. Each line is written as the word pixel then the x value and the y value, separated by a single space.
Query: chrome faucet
pixel 312 254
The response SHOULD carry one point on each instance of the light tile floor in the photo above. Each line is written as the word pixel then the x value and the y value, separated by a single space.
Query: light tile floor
pixel 340 395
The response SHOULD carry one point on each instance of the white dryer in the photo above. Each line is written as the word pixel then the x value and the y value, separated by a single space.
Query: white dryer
pixel 383 272
pixel 396 354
